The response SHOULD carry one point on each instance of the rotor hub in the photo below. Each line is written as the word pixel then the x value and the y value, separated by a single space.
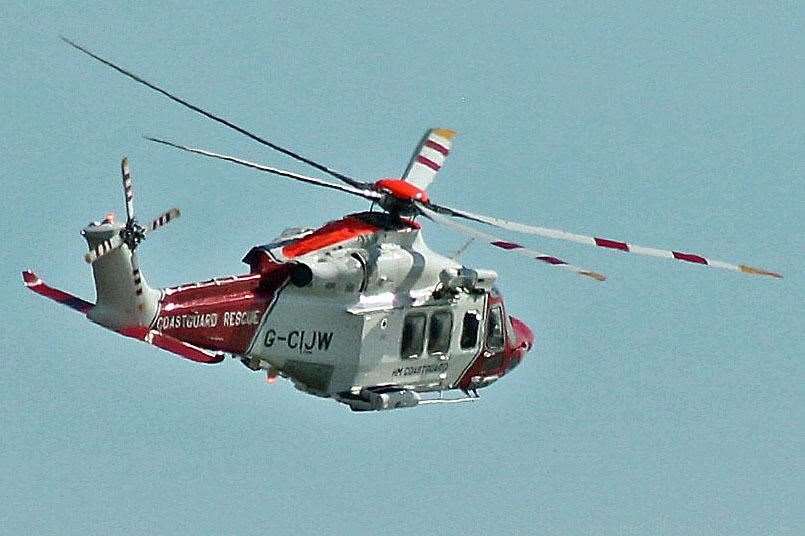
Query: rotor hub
pixel 402 190
pixel 132 234
pixel 399 196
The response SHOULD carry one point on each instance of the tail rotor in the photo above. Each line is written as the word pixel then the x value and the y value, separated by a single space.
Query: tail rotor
pixel 132 233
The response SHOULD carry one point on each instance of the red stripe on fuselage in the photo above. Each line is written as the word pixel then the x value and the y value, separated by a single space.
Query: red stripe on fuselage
pixel 330 234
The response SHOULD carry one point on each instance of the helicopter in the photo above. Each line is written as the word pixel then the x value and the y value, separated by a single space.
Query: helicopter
pixel 359 310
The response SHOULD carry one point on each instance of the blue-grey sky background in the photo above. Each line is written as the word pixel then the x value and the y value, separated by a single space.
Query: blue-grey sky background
pixel 668 400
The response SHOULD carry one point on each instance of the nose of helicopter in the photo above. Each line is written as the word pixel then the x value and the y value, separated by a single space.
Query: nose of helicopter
pixel 524 333
pixel 522 343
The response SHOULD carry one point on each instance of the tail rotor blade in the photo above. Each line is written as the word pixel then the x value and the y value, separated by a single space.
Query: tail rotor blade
pixel 601 242
pixel 163 219
pixel 135 275
pixel 108 245
pixel 506 245
pixel 128 190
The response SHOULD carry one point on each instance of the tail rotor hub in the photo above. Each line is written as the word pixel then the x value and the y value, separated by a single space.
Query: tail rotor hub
pixel 132 234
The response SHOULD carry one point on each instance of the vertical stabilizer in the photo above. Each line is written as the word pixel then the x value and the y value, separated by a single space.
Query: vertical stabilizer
pixel 124 298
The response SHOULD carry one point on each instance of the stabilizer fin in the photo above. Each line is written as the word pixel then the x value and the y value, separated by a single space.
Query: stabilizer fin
pixel 153 337
pixel 172 344
pixel 33 282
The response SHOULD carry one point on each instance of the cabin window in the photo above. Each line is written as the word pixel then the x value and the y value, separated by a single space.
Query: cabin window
pixel 494 330
pixel 441 326
pixel 469 330
pixel 413 336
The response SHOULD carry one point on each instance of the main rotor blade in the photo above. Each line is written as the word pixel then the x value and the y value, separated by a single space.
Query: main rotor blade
pixel 163 219
pixel 103 248
pixel 321 167
pixel 602 242
pixel 365 193
pixel 506 245
pixel 128 190
pixel 429 157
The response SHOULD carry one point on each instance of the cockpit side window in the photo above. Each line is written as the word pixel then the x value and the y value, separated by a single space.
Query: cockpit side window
pixel 469 330
pixel 440 329
pixel 494 329
pixel 413 336
pixel 510 333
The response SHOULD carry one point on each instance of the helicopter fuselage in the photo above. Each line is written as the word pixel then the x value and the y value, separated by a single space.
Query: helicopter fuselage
pixel 358 306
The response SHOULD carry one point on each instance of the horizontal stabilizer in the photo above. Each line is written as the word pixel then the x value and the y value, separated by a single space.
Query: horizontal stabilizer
pixel 172 344
pixel 33 282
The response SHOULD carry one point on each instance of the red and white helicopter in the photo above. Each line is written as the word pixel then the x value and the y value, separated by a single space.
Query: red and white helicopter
pixel 359 310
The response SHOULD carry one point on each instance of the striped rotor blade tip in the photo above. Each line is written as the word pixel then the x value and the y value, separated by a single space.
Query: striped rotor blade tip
pixel 607 243
pixel 430 157
pixel 108 245
pixel 164 219
pixel 758 271
pixel 128 190
pixel 594 275
pixel 506 245
pixel 514 247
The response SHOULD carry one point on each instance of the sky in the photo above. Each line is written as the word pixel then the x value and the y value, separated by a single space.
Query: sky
pixel 667 400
